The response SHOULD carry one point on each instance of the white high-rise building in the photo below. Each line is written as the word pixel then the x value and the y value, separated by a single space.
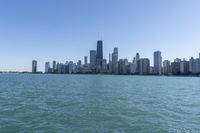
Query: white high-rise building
pixel 157 62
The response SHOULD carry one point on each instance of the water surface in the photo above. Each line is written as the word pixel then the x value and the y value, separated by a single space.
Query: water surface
pixel 99 104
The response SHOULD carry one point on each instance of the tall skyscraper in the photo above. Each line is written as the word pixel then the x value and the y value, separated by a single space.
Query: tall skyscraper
pixel 34 66
pixel 93 54
pixel 123 66
pixel 110 63
pixel 175 66
pixel 184 67
pixel 137 58
pixel 143 66
pixel 166 67
pixel 104 66
pixel 47 67
pixel 157 63
pixel 115 61
pixel 99 56
pixel 85 60
pixel 191 65
pixel 54 67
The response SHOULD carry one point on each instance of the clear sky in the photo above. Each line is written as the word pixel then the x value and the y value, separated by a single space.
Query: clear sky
pixel 62 30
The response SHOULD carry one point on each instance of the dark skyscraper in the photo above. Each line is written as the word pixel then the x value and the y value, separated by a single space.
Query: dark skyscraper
pixel 99 57
pixel 85 60
pixel 93 54
pixel 137 59
pixel 54 66
pixel 34 66
pixel 115 61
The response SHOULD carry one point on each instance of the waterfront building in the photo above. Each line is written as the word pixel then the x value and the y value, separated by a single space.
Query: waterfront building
pixel 79 66
pixel 54 67
pixel 175 66
pixel 157 62
pixel 104 66
pixel 130 69
pixel 134 66
pixel 93 60
pixel 34 66
pixel 115 61
pixel 184 67
pixel 47 67
pixel 143 65
pixel 151 71
pixel 194 65
pixel 79 63
pixel 110 64
pixel 123 66
pixel 136 61
pixel 99 56
pixel 166 67
pixel 59 67
pixel 191 65
pixel 137 56
pixel 70 67
pixel 85 60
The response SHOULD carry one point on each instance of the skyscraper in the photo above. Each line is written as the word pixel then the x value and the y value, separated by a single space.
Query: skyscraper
pixel 47 67
pixel 104 66
pixel 136 62
pixel 157 63
pixel 191 65
pixel 93 54
pixel 175 66
pixel 143 66
pixel 184 67
pixel 54 67
pixel 115 61
pixel 123 66
pixel 110 63
pixel 34 66
pixel 85 60
pixel 166 67
pixel 137 56
pixel 99 56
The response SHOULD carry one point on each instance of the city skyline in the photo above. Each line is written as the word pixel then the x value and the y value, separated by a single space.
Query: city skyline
pixel 65 30
pixel 122 66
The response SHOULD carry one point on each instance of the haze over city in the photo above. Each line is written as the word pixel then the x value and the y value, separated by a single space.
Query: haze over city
pixel 66 30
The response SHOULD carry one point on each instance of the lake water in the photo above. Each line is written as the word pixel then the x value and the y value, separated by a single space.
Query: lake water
pixel 99 104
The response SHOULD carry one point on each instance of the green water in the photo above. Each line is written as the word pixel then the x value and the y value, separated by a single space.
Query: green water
pixel 99 104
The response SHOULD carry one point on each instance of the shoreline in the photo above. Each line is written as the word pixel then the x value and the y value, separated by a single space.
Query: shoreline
pixel 40 73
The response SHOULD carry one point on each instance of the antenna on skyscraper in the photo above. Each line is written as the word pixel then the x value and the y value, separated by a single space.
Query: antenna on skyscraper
pixel 99 36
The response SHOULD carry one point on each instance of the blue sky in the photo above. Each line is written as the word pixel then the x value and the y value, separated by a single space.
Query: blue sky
pixel 62 30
